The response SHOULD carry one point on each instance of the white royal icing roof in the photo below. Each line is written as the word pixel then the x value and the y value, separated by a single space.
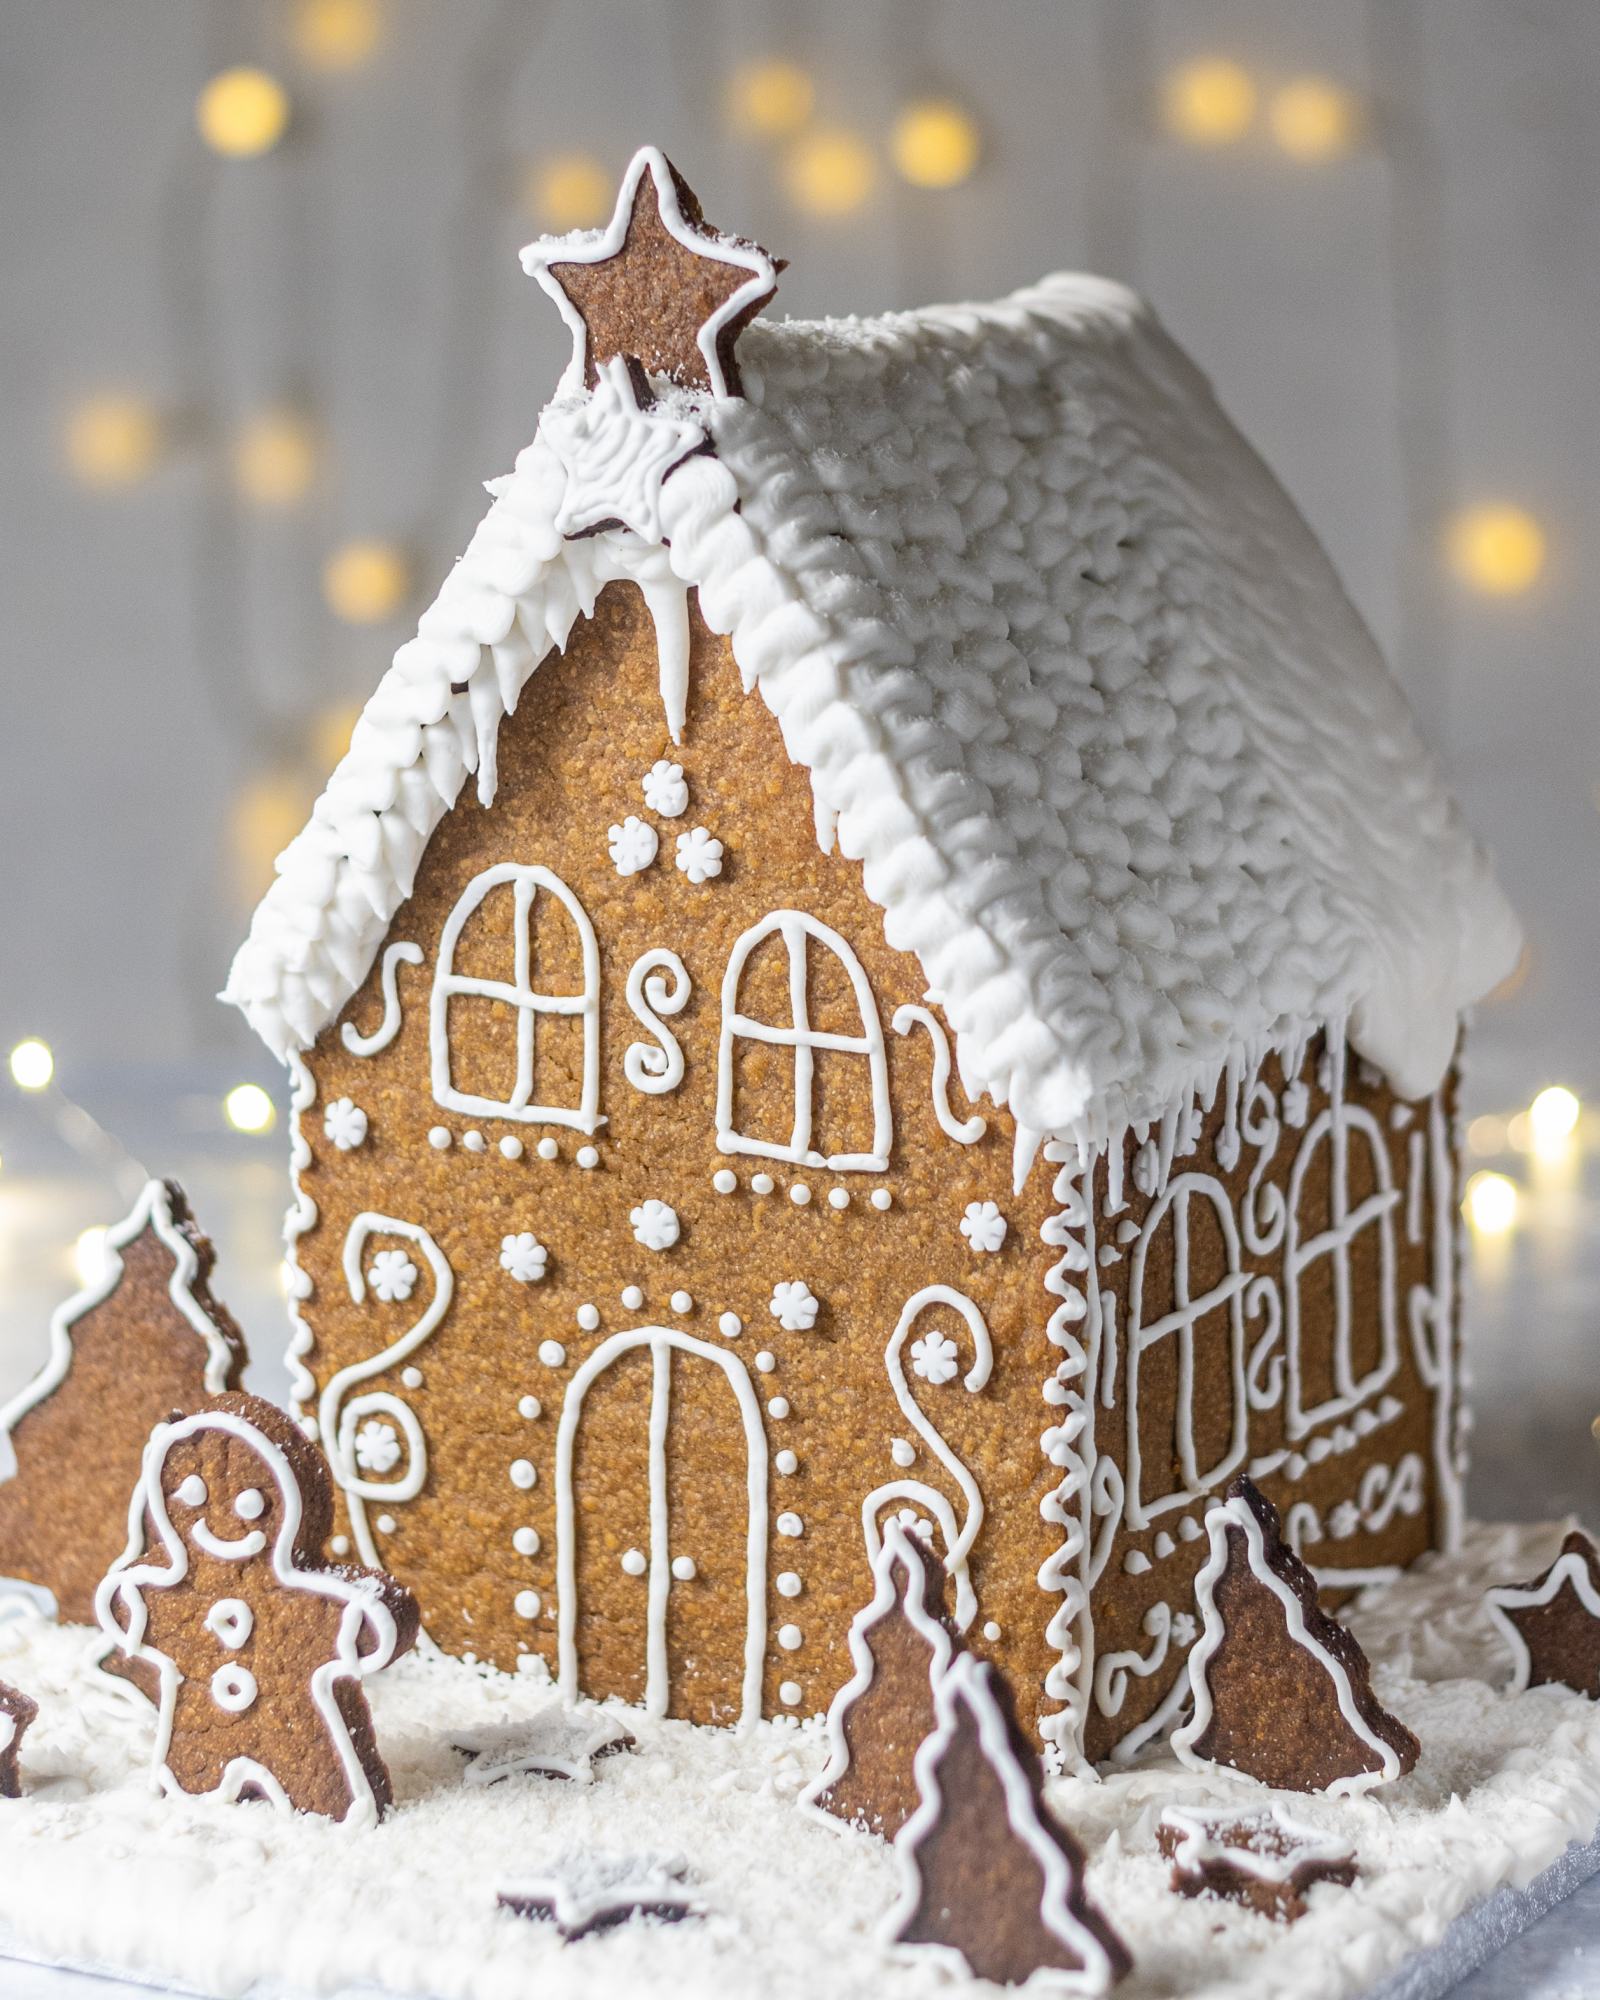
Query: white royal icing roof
pixel 1070 675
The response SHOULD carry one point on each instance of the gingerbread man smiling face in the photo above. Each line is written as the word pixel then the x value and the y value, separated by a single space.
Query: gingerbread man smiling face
pixel 258 1645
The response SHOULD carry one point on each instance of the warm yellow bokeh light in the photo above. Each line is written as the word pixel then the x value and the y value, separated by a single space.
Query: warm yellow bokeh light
pixel 248 1108
pixel 242 113
pixel 1499 550
pixel 331 733
pixel 1486 1134
pixel 266 817
pixel 336 34
pixel 1313 119
pixel 1491 1204
pixel 830 172
pixel 1552 1121
pixel 935 143
pixel 769 99
pixel 275 458
pixel 32 1064
pixel 1210 102
pixel 91 1255
pixel 365 581
pixel 112 441
pixel 570 191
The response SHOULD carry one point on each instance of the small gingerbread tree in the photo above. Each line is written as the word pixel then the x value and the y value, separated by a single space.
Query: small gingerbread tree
pixel 988 1878
pixel 145 1339
pixel 901 1645
pixel 1281 1692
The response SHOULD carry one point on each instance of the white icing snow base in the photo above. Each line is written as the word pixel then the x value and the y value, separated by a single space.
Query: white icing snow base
pixel 96 1871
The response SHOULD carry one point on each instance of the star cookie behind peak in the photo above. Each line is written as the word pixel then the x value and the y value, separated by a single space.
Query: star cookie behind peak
pixel 656 285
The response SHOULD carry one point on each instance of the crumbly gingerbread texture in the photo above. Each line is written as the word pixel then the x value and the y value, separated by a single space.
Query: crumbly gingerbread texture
pixel 1275 1712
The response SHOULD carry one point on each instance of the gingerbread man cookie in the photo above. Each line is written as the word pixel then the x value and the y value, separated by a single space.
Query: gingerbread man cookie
pixel 259 1646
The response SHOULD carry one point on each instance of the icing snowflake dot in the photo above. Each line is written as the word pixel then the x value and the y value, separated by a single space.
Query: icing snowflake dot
pixel 523 1473
pixel 523 1257
pixel 682 1302
pixel 903 1451
pixel 933 1357
pixel 547 1149
pixel 789 1694
pixel 588 1317
pixel 684 1569
pixel 699 854
pixel 588 1158
pixel 511 1147
pixel 983 1225
pixel 392 1276
pixel 529 1407
pixel 787 1463
pixel 1184 1629
pixel 730 1325
pixel 789 1584
pixel 377 1446
pixel 761 1184
pixel 552 1353
pixel 778 1407
pixel 632 1297
pixel 526 1604
pixel 665 789
pixel 790 1525
pixel 439 1137
pixel 790 1638
pixel 724 1181
pixel 882 1199
pixel 633 845
pixel 794 1306
pixel 655 1225
pixel 345 1124
pixel 526 1541
pixel 633 1562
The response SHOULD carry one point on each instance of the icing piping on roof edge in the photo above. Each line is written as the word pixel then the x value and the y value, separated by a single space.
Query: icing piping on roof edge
pixel 1071 678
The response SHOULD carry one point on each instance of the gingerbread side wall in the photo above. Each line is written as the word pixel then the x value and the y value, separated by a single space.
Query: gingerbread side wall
pixel 658 1467
pixel 1278 1298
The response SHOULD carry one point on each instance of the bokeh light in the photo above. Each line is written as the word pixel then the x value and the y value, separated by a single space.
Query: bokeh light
pixel 830 172
pixel 91 1254
pixel 1553 1122
pixel 275 458
pixel 935 143
pixel 1209 102
pixel 1491 1204
pixel 336 34
pixel 570 191
pixel 331 733
pixel 242 113
pixel 364 582
pixel 1313 119
pixel 32 1064
pixel 112 441
pixel 248 1108
pixel 267 814
pixel 1498 550
pixel 769 99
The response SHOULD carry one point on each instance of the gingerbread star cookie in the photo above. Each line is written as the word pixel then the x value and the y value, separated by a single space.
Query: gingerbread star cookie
pixel 656 285
pixel 584 1893
pixel 1552 1625
pixel 1265 1860
pixel 559 1742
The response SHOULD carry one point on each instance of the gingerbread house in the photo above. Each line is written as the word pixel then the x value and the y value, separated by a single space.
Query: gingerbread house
pixel 889 948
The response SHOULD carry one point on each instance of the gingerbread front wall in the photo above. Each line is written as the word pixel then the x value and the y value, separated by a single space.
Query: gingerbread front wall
pixel 658 1536
pixel 700 1479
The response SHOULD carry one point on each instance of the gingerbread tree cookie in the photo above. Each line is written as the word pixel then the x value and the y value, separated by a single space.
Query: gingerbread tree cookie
pixel 17 1713
pixel 1281 1693
pixel 1265 1860
pixel 1552 1625
pixel 901 1646
pixel 988 1879
pixel 145 1339
pixel 260 1647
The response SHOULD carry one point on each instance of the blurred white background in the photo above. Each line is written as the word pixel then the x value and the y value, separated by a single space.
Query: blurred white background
pixel 263 332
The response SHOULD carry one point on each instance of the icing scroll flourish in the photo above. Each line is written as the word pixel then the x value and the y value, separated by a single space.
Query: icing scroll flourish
pixel 659 1069
pixel 394 957
pixel 965 1131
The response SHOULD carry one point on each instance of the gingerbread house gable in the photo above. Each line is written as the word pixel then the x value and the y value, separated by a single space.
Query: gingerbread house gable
pixel 1067 742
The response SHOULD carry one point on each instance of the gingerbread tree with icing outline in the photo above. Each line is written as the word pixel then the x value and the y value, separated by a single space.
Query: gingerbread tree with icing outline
pixel 259 1646
pixel 901 1646
pixel 1281 1692
pixel 145 1339
pixel 988 1878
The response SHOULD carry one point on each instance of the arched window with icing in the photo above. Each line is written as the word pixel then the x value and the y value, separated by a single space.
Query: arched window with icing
pixel 517 951
pixel 801 1039
pixel 1185 1329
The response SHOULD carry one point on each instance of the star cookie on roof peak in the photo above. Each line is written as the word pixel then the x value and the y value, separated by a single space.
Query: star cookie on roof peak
pixel 656 284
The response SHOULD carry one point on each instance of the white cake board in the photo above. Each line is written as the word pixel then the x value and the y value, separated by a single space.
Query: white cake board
pixel 1496 1823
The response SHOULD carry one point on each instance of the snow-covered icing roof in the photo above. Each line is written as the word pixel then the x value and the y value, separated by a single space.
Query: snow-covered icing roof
pixel 1071 678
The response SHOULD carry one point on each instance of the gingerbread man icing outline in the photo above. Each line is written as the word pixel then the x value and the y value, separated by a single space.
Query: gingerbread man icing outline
pixel 233 1688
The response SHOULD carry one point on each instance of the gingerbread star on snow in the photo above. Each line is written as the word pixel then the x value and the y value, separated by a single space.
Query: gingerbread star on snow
pixel 1552 1625
pixel 656 284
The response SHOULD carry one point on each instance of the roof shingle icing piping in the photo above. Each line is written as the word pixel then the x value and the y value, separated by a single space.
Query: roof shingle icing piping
pixel 1071 679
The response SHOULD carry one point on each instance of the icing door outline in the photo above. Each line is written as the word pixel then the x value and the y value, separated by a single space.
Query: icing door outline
pixel 662 1342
